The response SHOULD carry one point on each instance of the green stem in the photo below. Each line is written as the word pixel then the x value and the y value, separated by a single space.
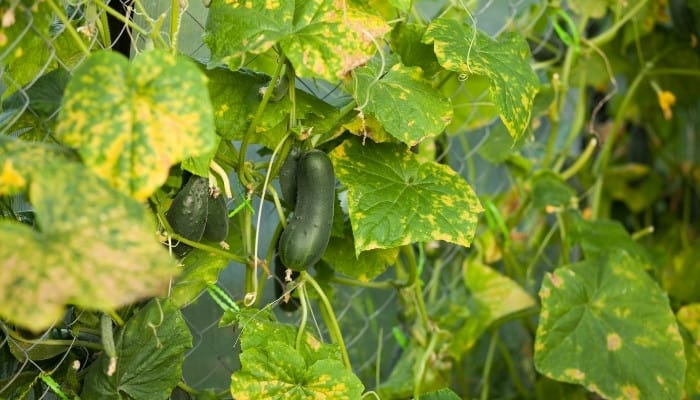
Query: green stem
pixel 581 161
pixel 423 364
pixel 68 26
pixel 301 289
pixel 611 32
pixel 254 123
pixel 126 21
pixel 175 21
pixel 486 385
pixel 371 284
pixel 187 389
pixel 332 322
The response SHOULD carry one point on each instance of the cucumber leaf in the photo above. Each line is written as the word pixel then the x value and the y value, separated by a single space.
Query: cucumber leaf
pixel 93 247
pixel 318 38
pixel 340 253
pixel 601 320
pixel 395 200
pixel 273 368
pixel 689 318
pixel 150 351
pixel 513 83
pixel 132 127
pixel 401 100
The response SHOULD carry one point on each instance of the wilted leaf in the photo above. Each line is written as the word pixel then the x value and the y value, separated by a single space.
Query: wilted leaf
pixel 150 351
pixel 319 38
pixel 131 128
pixel 401 100
pixel 601 320
pixel 273 368
pixel 513 84
pixel 94 248
pixel 395 200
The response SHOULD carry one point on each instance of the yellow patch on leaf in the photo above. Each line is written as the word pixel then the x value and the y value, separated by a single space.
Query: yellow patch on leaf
pixel 10 179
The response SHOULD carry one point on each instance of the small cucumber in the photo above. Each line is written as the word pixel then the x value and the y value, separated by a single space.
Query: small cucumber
pixel 306 237
pixel 288 178
pixel 292 303
pixel 188 212
pixel 216 228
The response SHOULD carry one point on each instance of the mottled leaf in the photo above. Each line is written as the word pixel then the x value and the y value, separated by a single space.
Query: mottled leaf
pixel 236 95
pixel 550 190
pixel 131 128
pixel 689 319
pixel 318 37
pixel 681 277
pixel 602 320
pixel 506 63
pixel 489 296
pixel 201 270
pixel 94 248
pixel 401 100
pixel 406 42
pixel 150 351
pixel 273 368
pixel 395 200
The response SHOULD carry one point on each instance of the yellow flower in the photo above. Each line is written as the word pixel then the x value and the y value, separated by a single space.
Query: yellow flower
pixel 666 101
pixel 10 179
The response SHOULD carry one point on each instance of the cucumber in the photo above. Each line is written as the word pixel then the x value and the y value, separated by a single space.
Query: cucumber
pixel 288 178
pixel 216 228
pixel 306 237
pixel 292 303
pixel 188 212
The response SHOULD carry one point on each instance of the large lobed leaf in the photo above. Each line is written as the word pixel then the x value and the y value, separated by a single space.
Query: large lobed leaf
pixel 403 102
pixel 394 200
pixel 321 38
pixel 273 368
pixel 606 325
pixel 131 122
pixel 94 246
pixel 150 351
pixel 513 83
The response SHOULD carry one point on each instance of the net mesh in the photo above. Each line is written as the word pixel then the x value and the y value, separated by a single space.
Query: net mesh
pixel 370 319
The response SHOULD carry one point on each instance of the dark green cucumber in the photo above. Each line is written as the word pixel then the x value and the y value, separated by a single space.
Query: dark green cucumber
pixel 288 178
pixel 188 212
pixel 306 237
pixel 292 303
pixel 216 228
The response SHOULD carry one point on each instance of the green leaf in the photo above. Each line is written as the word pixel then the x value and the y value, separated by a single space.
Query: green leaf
pixel 16 41
pixel 402 101
pixel 201 270
pixel 318 38
pixel 471 104
pixel 150 351
pixel 590 8
pixel 489 296
pixel 406 42
pixel 681 276
pixel 340 253
pixel 95 248
pixel 395 200
pixel 550 190
pixel 595 237
pixel 601 321
pixel 273 368
pixel 236 95
pixel 513 84
pixel 442 394
pixel 689 319
pixel 131 128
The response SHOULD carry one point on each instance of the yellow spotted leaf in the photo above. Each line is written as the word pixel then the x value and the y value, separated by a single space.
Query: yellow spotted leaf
pixel 394 199
pixel 601 320
pixel 131 122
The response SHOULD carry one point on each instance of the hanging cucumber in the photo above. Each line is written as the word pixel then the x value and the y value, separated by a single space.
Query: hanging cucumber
pixel 288 178
pixel 304 240
pixel 188 212
pixel 289 303
pixel 216 228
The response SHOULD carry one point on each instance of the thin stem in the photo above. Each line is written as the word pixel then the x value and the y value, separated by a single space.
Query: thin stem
pixel 126 21
pixel 303 300
pixel 485 386
pixel 187 389
pixel 332 322
pixel 175 21
pixel 611 32
pixel 581 161
pixel 68 26
pixel 371 284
